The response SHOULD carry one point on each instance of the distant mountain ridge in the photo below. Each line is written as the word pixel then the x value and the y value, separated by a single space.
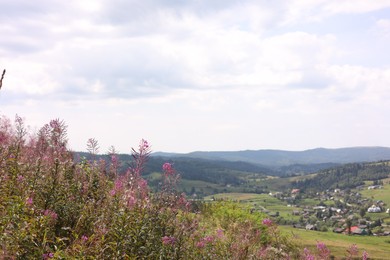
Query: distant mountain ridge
pixel 278 158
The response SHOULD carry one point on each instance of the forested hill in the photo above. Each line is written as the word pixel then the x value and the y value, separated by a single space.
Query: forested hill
pixel 212 171
pixel 278 158
pixel 345 176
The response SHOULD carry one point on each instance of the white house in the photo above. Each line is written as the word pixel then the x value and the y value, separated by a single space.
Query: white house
pixel 374 209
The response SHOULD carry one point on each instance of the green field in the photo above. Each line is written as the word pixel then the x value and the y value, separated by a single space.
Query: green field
pixel 379 194
pixel 260 202
pixel 377 247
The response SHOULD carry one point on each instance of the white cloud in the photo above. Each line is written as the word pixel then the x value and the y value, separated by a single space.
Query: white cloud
pixel 190 75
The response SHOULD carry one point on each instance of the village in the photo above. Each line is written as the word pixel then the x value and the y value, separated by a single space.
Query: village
pixel 340 211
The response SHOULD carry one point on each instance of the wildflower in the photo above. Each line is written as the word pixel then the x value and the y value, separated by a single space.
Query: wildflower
pixel 167 168
pixel 168 240
pixel 84 238
pixel 353 251
pixel 50 213
pixel 307 254
pixel 114 159
pixel 267 222
pixel 365 255
pixel 142 184
pixel 47 256
pixel 208 239
pixel 144 145
pixel 117 187
pixel 220 233
pixel 200 244
pixel 131 202
pixel 323 251
pixel 29 201
pixel 20 178
pixel 262 253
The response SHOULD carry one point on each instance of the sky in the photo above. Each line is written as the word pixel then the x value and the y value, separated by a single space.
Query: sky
pixel 193 75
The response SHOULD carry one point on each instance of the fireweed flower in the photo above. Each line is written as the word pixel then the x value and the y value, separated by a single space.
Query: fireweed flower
pixel 307 254
pixel 208 239
pixel 143 145
pixel 220 233
pixel 118 186
pixel 167 240
pixel 267 222
pixel 84 238
pixel 29 201
pixel 323 251
pixel 353 250
pixel 200 244
pixel 131 202
pixel 168 168
pixel 365 255
pixel 47 256
pixel 50 213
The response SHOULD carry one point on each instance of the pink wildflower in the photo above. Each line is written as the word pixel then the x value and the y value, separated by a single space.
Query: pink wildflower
pixel 50 213
pixel 220 233
pixel 208 239
pixel 118 186
pixel 323 251
pixel 168 240
pixel 168 168
pixel 144 145
pixel 131 202
pixel 29 201
pixel 84 238
pixel 47 256
pixel 20 178
pixel 200 244
pixel 365 255
pixel 114 159
pixel 307 254
pixel 267 222
pixel 353 251
pixel 262 253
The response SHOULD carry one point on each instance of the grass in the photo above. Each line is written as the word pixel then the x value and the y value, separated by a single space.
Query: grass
pixel 377 247
pixel 379 194
pixel 260 201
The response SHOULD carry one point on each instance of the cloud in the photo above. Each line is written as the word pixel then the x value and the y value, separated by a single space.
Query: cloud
pixel 196 68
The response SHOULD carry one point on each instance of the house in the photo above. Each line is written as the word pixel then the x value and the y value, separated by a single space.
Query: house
pixel 295 212
pixel 374 187
pixel 319 208
pixel 355 230
pixel 374 209
pixel 311 227
pixel 338 230
pixel 295 191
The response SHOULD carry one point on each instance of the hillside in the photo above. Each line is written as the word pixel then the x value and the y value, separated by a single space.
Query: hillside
pixel 278 158
pixel 345 177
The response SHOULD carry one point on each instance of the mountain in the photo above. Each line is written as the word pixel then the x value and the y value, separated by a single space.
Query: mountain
pixel 279 158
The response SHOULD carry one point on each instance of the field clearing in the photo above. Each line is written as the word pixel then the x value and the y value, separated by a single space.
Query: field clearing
pixel 379 194
pixel 260 202
pixel 377 247
pixel 236 196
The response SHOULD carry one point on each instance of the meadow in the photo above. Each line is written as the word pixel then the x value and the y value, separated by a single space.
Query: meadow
pixel 378 247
